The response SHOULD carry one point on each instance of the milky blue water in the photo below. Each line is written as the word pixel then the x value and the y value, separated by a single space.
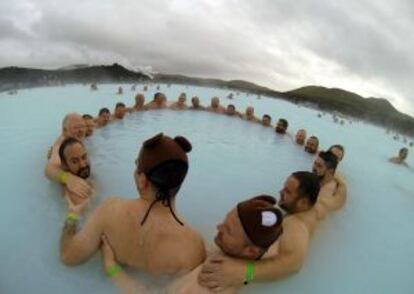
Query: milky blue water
pixel 365 248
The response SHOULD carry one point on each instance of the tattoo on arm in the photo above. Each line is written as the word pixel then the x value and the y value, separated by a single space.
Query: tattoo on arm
pixel 68 231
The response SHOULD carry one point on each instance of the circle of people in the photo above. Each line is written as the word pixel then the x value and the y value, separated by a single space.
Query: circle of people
pixel 260 239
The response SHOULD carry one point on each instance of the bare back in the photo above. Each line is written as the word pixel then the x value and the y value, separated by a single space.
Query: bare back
pixel 161 245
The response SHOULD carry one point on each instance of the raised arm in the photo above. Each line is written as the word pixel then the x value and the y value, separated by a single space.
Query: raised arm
pixel 120 278
pixel 77 246
pixel 338 199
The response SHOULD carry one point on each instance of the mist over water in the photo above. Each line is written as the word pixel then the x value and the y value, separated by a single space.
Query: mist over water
pixel 364 248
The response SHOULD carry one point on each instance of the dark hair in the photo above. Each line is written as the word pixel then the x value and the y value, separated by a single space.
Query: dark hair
pixel 66 143
pixel 267 116
pixel 330 159
pixel 232 106
pixel 309 185
pixel 87 116
pixel 157 94
pixel 340 147
pixel 167 179
pixel 284 122
pixel 119 104
pixel 104 110
pixel 404 149
pixel 314 137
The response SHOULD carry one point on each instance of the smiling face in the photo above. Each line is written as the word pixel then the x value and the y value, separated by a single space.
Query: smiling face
pixel 74 127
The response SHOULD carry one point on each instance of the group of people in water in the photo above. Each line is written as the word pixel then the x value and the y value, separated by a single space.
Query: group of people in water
pixel 260 239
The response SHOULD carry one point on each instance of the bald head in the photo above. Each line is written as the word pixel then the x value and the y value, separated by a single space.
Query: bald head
pixel 73 126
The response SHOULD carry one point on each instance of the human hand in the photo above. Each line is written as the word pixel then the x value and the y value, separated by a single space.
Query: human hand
pixel 108 255
pixel 76 208
pixel 220 272
pixel 78 186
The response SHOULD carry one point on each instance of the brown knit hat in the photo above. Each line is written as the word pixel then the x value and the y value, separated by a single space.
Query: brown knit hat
pixel 261 221
pixel 160 149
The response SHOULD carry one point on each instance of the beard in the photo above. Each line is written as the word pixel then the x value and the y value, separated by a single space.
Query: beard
pixel 280 130
pixel 309 150
pixel 84 172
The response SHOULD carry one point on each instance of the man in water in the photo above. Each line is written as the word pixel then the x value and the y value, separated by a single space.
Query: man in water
pixel 300 137
pixel 247 232
pixel 180 104
pixel 249 115
pixel 120 111
pixel 89 123
pixel 103 118
pixel 75 160
pixel 338 151
pixel 231 111
pixel 139 103
pixel 402 156
pixel 159 102
pixel 266 120
pixel 324 167
pixel 145 233
pixel 195 104
pixel 312 145
pixel 285 257
pixel 215 106
pixel 281 126
pixel 73 126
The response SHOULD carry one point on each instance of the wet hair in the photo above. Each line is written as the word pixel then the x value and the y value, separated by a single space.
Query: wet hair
pixel 87 116
pixel 232 106
pixel 340 147
pixel 67 143
pixel 119 104
pixel 284 122
pixel 156 95
pixel 104 110
pixel 329 158
pixel 267 116
pixel 314 137
pixel 309 185
pixel 404 149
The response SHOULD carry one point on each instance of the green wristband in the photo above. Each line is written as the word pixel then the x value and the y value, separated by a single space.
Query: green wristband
pixel 72 217
pixel 113 271
pixel 249 272
pixel 63 176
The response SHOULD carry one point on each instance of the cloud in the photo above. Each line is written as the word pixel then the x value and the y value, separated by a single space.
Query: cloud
pixel 362 46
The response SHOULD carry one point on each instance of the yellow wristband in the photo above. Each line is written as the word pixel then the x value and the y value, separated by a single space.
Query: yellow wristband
pixel 72 217
pixel 63 176
pixel 113 271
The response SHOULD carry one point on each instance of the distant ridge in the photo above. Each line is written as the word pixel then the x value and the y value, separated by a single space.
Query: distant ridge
pixel 376 110
pixel 12 78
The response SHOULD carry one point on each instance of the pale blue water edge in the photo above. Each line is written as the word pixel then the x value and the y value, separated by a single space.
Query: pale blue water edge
pixel 365 248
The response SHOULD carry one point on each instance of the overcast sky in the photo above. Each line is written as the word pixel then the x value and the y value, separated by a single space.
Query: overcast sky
pixel 363 46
